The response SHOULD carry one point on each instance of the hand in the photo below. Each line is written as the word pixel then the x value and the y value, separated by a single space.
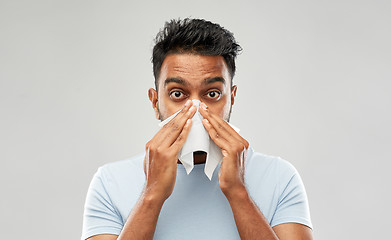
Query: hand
pixel 233 148
pixel 160 163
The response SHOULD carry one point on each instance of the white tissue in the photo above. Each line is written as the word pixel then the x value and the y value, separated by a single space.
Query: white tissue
pixel 198 140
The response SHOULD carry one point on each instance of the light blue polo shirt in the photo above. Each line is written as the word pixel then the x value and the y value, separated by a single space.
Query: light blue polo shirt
pixel 197 209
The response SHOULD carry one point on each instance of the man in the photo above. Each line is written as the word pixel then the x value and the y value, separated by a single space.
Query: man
pixel 250 196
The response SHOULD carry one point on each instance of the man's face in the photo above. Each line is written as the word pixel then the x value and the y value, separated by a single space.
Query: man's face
pixel 188 76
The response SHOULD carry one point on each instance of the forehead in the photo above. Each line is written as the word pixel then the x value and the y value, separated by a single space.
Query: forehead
pixel 193 68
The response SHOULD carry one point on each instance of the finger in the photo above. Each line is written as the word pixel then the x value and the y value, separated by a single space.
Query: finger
pixel 181 139
pixel 176 127
pixel 177 123
pixel 222 127
pixel 184 109
pixel 215 136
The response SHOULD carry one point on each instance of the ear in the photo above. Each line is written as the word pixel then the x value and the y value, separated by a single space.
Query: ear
pixel 152 94
pixel 233 94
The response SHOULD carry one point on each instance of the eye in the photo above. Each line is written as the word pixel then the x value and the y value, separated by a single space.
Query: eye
pixel 214 95
pixel 177 95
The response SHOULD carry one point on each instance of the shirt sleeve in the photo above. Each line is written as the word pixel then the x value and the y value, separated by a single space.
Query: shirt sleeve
pixel 100 216
pixel 293 202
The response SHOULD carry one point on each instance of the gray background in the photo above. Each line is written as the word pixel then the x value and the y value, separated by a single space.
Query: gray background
pixel 313 87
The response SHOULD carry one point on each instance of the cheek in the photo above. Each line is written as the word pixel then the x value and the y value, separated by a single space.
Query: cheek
pixel 226 111
pixel 222 109
pixel 167 108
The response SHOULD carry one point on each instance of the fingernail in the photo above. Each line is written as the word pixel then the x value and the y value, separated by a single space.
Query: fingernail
pixel 203 106
pixel 188 103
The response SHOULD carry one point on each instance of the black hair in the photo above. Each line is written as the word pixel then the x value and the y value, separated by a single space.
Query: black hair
pixel 196 36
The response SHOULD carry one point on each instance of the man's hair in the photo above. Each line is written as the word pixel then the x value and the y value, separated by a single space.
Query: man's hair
pixel 195 36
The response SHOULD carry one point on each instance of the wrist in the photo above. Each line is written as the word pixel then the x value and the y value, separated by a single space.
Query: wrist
pixel 238 193
pixel 153 198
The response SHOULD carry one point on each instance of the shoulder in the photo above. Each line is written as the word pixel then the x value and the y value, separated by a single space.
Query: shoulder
pixel 277 189
pixel 120 182
pixel 269 173
pixel 113 191
pixel 268 166
pixel 123 170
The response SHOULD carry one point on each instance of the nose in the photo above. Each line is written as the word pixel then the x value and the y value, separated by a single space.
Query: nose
pixel 196 103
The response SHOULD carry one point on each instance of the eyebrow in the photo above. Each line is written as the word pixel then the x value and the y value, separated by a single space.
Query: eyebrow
pixel 185 83
pixel 213 80
pixel 175 80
